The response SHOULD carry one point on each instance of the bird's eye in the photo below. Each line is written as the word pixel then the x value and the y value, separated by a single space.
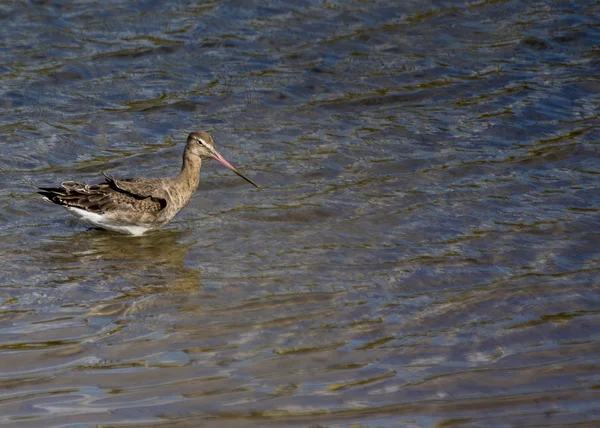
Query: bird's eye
pixel 201 141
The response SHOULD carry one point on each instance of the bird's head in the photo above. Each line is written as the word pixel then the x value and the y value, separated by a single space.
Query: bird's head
pixel 201 144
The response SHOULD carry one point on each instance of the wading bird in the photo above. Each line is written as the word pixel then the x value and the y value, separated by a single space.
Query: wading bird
pixel 137 205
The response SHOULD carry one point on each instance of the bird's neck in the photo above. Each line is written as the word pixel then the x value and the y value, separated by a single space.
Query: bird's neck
pixel 189 177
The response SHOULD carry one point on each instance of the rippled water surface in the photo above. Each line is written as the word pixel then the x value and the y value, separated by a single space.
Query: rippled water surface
pixel 424 250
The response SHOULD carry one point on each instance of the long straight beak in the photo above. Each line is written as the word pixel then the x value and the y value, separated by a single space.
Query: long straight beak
pixel 216 156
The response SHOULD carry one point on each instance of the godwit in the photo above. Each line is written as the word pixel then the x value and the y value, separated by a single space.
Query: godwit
pixel 137 205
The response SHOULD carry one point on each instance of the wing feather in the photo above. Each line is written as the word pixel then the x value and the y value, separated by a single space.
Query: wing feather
pixel 103 197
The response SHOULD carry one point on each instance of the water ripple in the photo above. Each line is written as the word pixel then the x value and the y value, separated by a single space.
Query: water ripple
pixel 422 252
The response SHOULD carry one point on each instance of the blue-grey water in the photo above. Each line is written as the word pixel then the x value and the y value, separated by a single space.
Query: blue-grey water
pixel 424 250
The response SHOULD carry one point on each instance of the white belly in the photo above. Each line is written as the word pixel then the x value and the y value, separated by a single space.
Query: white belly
pixel 100 221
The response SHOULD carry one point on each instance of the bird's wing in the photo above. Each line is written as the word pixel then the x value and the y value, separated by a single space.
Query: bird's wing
pixel 139 187
pixel 100 198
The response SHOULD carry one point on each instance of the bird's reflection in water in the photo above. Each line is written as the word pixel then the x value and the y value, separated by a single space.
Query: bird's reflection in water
pixel 126 268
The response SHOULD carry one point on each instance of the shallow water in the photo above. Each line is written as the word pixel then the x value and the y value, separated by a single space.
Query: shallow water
pixel 423 252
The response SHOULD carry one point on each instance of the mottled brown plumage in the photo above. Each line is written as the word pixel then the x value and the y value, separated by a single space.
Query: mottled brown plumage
pixel 140 204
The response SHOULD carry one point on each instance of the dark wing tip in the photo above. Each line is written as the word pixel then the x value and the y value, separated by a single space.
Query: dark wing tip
pixel 109 178
pixel 47 195
pixel 50 195
pixel 50 192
